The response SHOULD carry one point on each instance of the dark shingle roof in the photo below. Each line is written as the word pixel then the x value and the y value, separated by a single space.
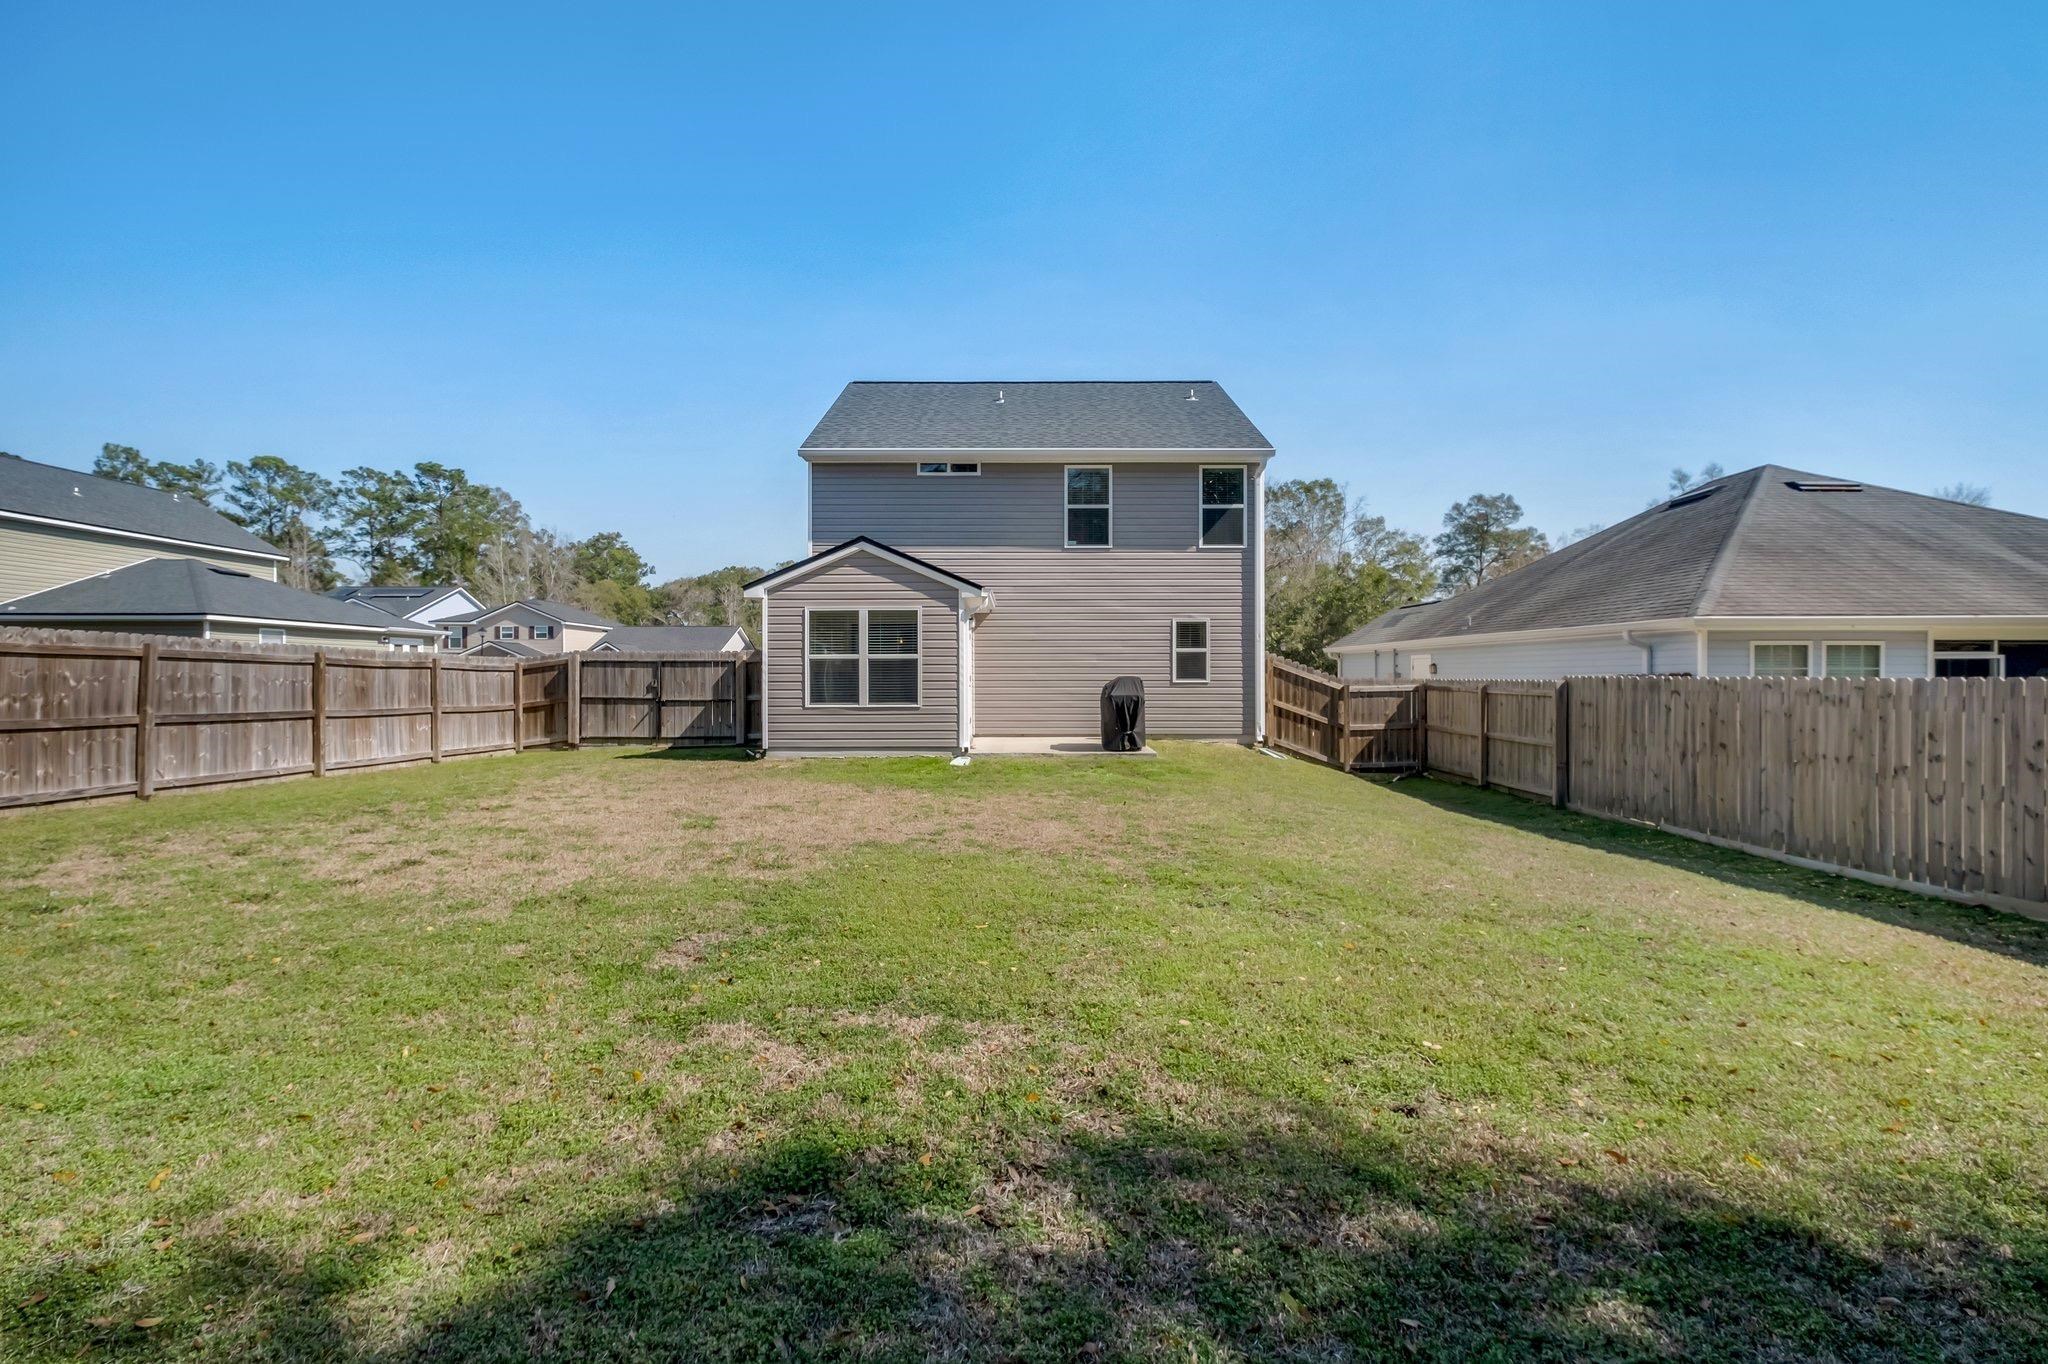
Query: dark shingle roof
pixel 1757 545
pixel 682 638
pixel 566 612
pixel 46 490
pixel 395 598
pixel 511 648
pixel 1152 415
pixel 186 588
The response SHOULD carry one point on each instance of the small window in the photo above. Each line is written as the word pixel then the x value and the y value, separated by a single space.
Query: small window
pixel 955 468
pixel 270 636
pixel 1779 660
pixel 455 639
pixel 543 632
pixel 861 658
pixel 1223 507
pixel 508 632
pixel 1855 660
pixel 1088 506
pixel 1191 651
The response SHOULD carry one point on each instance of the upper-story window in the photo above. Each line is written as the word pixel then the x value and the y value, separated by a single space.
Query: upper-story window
pixel 1223 506
pixel 455 637
pixel 956 468
pixel 1088 505
pixel 543 632
pixel 508 632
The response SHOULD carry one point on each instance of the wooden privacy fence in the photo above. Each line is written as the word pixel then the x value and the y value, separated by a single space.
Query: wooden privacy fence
pixel 88 714
pixel 1937 785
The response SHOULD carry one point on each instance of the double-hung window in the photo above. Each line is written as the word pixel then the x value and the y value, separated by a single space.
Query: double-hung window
pixel 1779 660
pixel 508 632
pixel 1088 501
pixel 1854 660
pixel 543 632
pixel 865 657
pixel 1191 651
pixel 1223 506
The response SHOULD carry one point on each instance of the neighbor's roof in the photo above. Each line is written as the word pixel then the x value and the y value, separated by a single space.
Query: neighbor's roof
pixel 1178 414
pixel 684 638
pixel 566 612
pixel 397 599
pixel 1758 544
pixel 185 589
pixel 28 488
pixel 511 648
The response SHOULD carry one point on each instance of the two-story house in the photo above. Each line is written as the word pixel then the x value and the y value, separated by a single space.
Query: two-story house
pixel 530 628
pixel 985 557
pixel 80 552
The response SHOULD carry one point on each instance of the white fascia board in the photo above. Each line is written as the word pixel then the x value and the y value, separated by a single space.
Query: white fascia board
pixel 200 618
pixel 804 569
pixel 1249 454
pixel 1724 624
pixel 88 527
pixel 1615 628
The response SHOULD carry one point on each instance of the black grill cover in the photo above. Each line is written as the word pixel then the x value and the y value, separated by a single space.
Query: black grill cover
pixel 1123 715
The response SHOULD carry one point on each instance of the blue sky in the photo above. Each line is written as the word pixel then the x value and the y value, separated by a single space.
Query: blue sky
pixel 619 259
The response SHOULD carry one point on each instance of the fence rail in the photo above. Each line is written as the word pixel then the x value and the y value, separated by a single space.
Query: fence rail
pixel 1936 785
pixel 85 714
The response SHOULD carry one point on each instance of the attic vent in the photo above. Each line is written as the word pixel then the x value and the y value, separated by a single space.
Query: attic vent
pixel 1818 485
pixel 226 572
pixel 999 395
pixel 75 492
pixel 1687 499
pixel 1191 396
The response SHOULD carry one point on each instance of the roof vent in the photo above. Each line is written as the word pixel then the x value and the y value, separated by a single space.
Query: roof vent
pixel 226 572
pixel 1822 485
pixel 1191 396
pixel 75 492
pixel 999 395
pixel 1687 499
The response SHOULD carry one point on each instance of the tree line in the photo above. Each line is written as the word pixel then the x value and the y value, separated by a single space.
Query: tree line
pixel 433 524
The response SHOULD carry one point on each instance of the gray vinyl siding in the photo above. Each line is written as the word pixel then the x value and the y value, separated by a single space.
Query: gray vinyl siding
pixel 311 635
pixel 1905 655
pixel 1066 621
pixel 933 726
pixel 36 558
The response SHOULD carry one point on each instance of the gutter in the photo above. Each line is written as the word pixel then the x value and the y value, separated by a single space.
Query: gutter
pixel 1629 637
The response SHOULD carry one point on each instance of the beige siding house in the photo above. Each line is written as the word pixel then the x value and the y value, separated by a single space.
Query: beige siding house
pixel 1061 535
pixel 87 553
pixel 1767 573
pixel 527 629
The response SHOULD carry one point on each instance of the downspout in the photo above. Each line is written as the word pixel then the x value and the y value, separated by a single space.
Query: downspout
pixel 1629 637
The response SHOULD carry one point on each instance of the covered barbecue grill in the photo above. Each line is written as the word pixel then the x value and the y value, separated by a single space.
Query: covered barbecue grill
pixel 1123 715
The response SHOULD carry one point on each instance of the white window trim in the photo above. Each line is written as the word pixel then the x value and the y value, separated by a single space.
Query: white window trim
pixel 1828 644
pixel 501 632
pixel 1067 506
pixel 1202 505
pixel 1994 655
pixel 263 636
pixel 1174 651
pixel 862 658
pixel 1805 644
pixel 543 632
pixel 948 468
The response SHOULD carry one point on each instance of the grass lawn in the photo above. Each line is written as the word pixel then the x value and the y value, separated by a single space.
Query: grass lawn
pixel 614 1054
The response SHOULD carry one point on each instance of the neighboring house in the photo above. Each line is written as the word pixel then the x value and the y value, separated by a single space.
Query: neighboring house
pixel 549 627
pixel 82 552
pixel 194 597
pixel 986 556
pixel 1766 573
pixel 506 648
pixel 411 602
pixel 58 524
pixel 706 639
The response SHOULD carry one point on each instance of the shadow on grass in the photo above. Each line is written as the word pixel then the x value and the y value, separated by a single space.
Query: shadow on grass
pixel 1319 1242
pixel 1989 929
pixel 694 753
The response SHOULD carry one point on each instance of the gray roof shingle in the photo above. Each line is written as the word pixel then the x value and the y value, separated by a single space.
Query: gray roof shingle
pixel 1062 415
pixel 566 612
pixel 1756 545
pixel 48 490
pixel 182 589
pixel 681 638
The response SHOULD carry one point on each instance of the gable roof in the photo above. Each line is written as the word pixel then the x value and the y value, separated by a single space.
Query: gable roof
pixel 682 638
pixel 859 544
pixel 1771 542
pixel 565 613
pixel 1063 415
pixel 510 648
pixel 188 589
pixel 48 492
pixel 395 599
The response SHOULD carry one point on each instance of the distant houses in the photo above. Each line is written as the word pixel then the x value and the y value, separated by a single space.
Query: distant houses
pixel 530 628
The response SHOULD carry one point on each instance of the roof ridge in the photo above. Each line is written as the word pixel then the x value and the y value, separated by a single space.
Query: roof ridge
pixel 1724 557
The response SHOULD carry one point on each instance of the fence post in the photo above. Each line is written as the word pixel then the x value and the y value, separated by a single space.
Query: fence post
pixel 434 705
pixel 319 712
pixel 519 706
pixel 1421 692
pixel 145 724
pixel 1336 712
pixel 660 671
pixel 1482 733
pixel 573 702
pixel 736 671
pixel 1561 746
